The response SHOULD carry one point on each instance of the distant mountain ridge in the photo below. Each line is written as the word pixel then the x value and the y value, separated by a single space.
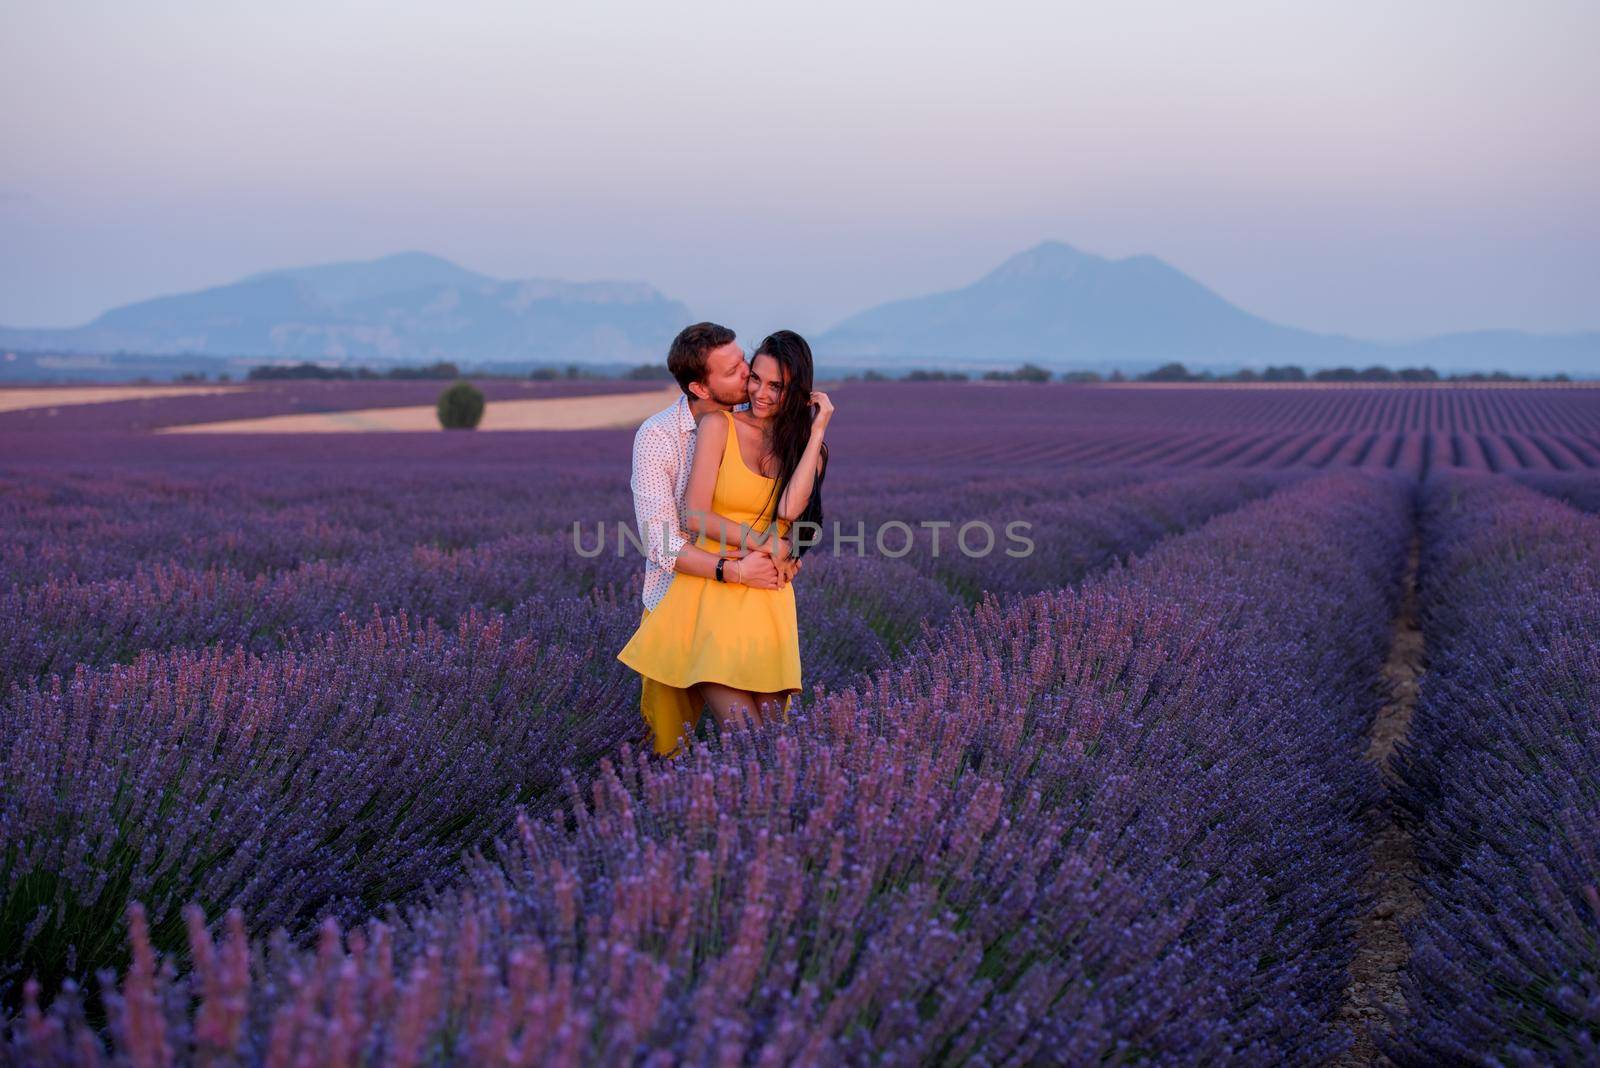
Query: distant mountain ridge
pixel 1052 304
pixel 1056 305
pixel 408 306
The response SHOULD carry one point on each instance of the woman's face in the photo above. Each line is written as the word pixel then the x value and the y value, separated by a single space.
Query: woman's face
pixel 765 387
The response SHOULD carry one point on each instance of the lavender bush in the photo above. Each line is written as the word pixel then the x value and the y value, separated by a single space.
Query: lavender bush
pixel 1500 783
pixel 234 643
pixel 291 786
pixel 1579 489
pixel 292 685
pixel 857 612
pixel 1114 823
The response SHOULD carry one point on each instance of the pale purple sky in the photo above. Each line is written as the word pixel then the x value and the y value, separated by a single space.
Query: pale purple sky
pixel 1382 169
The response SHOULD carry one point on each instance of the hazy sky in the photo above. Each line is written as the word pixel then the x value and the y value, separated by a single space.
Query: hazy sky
pixel 1382 169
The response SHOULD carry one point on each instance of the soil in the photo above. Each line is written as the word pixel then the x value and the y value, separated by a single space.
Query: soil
pixel 1381 949
pixel 21 398
pixel 598 412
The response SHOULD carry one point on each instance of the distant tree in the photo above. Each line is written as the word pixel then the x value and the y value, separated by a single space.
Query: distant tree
pixel 461 406
pixel 1028 372
pixel 573 371
pixel 305 369
pixel 1246 374
pixel 441 370
pixel 1417 374
pixel 872 375
pixel 1167 372
pixel 1116 375
pixel 544 374
pixel 1286 373
pixel 920 375
pixel 223 376
pixel 648 372
pixel 192 376
pixel 1080 376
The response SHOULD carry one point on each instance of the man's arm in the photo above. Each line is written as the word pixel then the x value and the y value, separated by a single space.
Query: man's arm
pixel 655 511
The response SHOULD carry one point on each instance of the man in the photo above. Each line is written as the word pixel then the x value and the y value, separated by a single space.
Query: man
pixel 709 367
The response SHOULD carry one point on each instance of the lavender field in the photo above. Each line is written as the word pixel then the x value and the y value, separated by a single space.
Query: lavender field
pixel 1282 745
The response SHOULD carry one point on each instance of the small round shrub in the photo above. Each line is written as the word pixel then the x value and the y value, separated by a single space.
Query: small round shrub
pixel 460 406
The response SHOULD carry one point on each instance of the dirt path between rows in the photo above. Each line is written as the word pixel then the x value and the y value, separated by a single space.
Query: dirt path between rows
pixel 21 398
pixel 596 412
pixel 1381 950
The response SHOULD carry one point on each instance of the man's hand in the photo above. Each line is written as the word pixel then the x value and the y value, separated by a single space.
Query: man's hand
pixel 757 571
pixel 779 550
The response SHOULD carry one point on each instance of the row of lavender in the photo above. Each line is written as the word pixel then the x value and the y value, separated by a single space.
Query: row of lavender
pixel 858 605
pixel 264 751
pixel 1581 490
pixel 107 521
pixel 979 409
pixel 1500 782
pixel 1122 822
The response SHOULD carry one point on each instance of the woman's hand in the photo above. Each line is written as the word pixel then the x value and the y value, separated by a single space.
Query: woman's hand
pixel 824 409
pixel 788 569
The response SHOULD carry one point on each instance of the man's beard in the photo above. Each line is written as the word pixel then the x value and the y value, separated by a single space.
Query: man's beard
pixel 736 399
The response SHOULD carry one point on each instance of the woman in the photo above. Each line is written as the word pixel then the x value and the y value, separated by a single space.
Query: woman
pixel 734 647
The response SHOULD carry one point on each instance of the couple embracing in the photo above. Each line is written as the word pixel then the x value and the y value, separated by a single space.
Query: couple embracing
pixel 720 480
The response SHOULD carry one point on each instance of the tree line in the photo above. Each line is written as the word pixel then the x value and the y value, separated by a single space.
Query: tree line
pixel 1177 372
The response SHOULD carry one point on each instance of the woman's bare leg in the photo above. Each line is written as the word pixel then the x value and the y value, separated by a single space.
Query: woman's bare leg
pixel 732 707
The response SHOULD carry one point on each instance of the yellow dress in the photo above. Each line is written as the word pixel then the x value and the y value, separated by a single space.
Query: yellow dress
pixel 703 630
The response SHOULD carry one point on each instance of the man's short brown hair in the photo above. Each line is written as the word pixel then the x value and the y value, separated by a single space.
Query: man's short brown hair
pixel 687 359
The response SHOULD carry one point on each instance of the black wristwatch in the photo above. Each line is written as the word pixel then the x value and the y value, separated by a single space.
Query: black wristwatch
pixel 720 561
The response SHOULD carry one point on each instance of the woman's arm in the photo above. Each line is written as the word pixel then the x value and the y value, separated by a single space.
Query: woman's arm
pixel 798 492
pixel 710 439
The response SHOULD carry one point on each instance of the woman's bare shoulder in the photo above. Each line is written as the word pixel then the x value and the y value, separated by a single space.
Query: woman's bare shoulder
pixel 711 428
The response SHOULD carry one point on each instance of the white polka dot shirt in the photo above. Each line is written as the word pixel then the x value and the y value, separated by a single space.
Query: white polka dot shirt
pixel 663 447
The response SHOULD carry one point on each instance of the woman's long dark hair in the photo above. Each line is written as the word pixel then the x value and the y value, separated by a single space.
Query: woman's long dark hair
pixel 791 426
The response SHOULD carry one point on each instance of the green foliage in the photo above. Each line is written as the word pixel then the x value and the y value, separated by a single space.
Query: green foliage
pixel 461 406
pixel 1028 372
pixel 1168 372
pixel 443 369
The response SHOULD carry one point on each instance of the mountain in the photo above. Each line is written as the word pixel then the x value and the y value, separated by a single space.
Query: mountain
pixel 1057 306
pixel 1053 305
pixel 409 306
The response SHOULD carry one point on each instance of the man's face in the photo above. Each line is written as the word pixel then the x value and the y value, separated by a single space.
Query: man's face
pixel 726 372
